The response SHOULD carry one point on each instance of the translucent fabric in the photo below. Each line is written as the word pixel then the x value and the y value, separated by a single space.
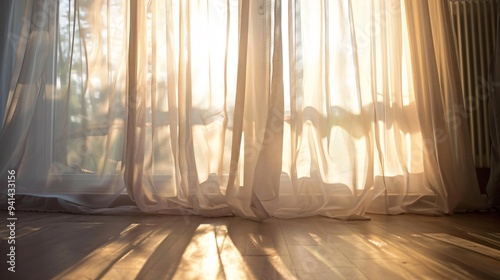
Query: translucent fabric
pixel 254 108
pixel 493 187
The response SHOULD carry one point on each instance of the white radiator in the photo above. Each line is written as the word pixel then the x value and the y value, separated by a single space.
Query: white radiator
pixel 474 26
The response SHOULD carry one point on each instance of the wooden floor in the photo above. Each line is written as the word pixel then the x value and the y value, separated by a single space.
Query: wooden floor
pixel 66 246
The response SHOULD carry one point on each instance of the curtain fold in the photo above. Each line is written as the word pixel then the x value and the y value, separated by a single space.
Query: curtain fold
pixel 436 71
pixel 282 108
pixel 493 187
pixel 27 82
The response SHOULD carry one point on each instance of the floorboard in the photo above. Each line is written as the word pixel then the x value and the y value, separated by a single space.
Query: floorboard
pixel 68 246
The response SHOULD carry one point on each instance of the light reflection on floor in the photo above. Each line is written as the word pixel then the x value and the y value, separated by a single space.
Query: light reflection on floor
pixel 65 246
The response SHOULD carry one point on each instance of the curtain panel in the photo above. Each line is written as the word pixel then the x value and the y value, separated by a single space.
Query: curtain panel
pixel 283 108
pixel 493 187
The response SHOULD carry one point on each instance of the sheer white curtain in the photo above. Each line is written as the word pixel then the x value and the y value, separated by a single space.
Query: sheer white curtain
pixel 255 108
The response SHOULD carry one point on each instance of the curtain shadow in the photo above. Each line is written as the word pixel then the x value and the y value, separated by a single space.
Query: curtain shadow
pixel 358 125
pixel 170 251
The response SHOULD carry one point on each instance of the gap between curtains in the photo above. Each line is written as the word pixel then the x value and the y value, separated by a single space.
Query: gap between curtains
pixel 283 108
